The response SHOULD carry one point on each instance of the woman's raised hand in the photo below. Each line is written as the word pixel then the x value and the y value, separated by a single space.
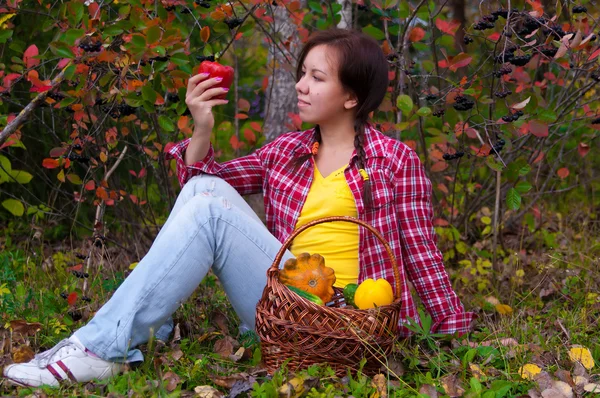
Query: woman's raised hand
pixel 200 98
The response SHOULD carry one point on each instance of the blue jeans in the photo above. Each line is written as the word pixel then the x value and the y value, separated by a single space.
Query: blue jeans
pixel 211 225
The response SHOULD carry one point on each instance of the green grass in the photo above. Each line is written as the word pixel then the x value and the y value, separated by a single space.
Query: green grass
pixel 554 301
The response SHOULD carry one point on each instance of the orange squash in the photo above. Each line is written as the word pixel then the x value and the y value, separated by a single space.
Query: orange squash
pixel 309 273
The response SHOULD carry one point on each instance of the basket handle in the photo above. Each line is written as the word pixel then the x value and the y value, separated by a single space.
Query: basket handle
pixel 275 266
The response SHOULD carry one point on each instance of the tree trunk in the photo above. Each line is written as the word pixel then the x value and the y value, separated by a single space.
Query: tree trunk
pixel 346 13
pixel 458 13
pixel 281 92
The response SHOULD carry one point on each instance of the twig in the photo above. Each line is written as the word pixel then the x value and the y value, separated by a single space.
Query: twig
pixel 98 219
pixel 24 114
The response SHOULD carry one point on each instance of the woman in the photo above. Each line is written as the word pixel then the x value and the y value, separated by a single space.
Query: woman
pixel 342 166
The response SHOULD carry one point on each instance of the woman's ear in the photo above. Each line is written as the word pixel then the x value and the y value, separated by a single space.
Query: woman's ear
pixel 351 102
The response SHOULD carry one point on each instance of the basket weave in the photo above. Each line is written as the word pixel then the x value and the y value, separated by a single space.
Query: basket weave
pixel 295 329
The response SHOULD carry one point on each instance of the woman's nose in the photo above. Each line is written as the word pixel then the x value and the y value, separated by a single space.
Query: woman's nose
pixel 300 86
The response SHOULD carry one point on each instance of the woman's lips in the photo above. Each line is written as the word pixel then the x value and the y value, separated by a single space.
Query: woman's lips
pixel 302 103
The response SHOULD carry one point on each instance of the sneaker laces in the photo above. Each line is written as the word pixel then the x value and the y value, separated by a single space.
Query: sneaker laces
pixel 43 359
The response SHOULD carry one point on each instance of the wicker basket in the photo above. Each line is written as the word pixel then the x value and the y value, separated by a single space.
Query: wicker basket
pixel 295 329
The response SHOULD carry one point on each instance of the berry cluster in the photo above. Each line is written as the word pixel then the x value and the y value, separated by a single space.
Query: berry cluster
pixel 160 58
pixel 520 60
pixel 77 158
pixel 498 146
pixel 172 97
pixel 185 10
pixel 99 240
pixel 79 255
pixel 100 101
pixel 91 47
pixel 233 23
pixel 80 275
pixel 504 70
pixel 202 3
pixel 75 315
pixel 467 40
pixel 202 58
pixel 170 7
pixel 596 121
pixel 430 97
pixel 504 13
pixel 55 96
pixel 513 116
pixel 363 7
pixel 595 76
pixel 507 55
pixel 449 156
pixel 503 94
pixel 579 9
pixel 120 110
pixel 439 112
pixel 486 22
pixel 463 103
pixel 549 51
pixel 556 31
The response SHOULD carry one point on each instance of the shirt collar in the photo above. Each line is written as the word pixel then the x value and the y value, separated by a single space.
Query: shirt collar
pixel 372 138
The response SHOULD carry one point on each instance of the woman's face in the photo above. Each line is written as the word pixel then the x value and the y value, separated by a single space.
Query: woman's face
pixel 321 96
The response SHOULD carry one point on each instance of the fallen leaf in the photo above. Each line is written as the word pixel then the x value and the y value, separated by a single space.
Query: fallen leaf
pixel 504 309
pixel 543 380
pixel 242 387
pixel 23 327
pixel 579 370
pixel 207 392
pixel 380 383
pixel 476 371
pixel 22 354
pixel 583 356
pixel 529 371
pixel 522 104
pixel 592 387
pixel 292 389
pixel 429 390
pixel 227 381
pixel 565 389
pixel 580 380
pixel 452 386
pixel 564 375
pixel 238 354
pixel 552 393
pixel 224 347
pixel 492 300
pixel 220 320
pixel 172 379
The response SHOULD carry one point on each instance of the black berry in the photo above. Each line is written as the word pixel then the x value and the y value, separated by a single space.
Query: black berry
pixel 201 58
pixel 520 60
pixel 463 103
pixel 467 40
pixel 579 9
pixel 232 23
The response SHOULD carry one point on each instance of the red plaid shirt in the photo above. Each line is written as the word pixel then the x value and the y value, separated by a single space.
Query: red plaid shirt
pixel 401 211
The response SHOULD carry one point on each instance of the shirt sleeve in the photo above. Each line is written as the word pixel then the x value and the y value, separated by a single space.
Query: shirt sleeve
pixel 423 260
pixel 245 174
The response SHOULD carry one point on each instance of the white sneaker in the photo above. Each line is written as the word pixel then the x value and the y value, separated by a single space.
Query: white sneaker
pixel 66 361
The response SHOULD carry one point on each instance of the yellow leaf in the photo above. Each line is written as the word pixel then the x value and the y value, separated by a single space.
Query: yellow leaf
pixel 205 34
pixel 476 371
pixel 529 371
pixel 133 265
pixel 582 355
pixel 486 220
pixel 504 309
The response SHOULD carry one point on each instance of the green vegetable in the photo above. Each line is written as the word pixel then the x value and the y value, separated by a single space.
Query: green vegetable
pixel 306 295
pixel 349 291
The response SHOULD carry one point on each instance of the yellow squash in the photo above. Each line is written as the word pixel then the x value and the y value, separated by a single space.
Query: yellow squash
pixel 373 293
pixel 310 274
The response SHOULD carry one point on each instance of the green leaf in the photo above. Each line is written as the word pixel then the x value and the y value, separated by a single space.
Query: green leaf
pixel 315 6
pixel 70 72
pixel 153 34
pixel 66 102
pixel 148 93
pixel 523 186
pixel 374 32
pixel 424 111
pixel 73 34
pixel 180 59
pixel 22 177
pixel 166 123
pixel 138 41
pixel 75 179
pixel 14 206
pixel 513 199
pixel 494 164
pixel 112 30
pixel 469 91
pixel 5 35
pixel 63 51
pixel 404 103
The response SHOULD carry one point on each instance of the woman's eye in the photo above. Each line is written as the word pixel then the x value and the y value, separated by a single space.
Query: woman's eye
pixel 316 78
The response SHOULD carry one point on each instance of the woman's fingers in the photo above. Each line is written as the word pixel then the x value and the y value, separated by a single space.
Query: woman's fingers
pixel 203 86
pixel 194 80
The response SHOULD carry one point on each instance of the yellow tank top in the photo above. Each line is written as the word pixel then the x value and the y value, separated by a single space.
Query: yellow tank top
pixel 336 241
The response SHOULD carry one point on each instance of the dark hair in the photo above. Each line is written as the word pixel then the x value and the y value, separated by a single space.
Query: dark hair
pixel 362 71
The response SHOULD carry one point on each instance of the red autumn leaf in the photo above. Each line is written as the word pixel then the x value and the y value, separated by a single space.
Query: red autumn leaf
pixel 448 27
pixel 142 173
pixel 459 61
pixel 90 185
pixel 594 55
pixel 537 128
pixel 440 222
pixel 256 126
pixel 583 149
pixel 77 268
pixel 439 166
pixel 28 60
pixel 101 193
pixel 249 136
pixel 40 89
pixel 562 173
pixel 50 163
pixel 296 121
pixel 205 34
pixel 494 36
pixel 243 105
pixel 57 152
pixel 241 116
pixel 133 198
pixel 235 143
pixel 72 298
pixel 416 34
pixel 133 173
